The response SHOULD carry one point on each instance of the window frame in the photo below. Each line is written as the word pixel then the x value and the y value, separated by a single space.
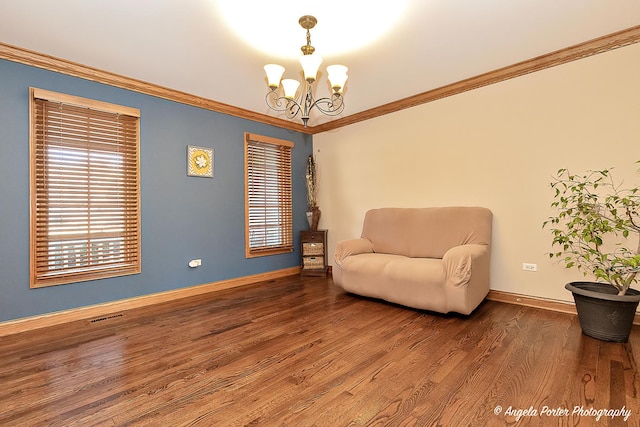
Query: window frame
pixel 106 253
pixel 284 195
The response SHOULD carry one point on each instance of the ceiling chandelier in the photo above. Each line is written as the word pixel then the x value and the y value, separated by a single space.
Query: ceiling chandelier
pixel 292 105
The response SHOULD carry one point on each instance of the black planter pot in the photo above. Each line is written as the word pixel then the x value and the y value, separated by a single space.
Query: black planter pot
pixel 604 314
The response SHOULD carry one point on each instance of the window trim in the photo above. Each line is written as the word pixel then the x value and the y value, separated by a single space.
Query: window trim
pixel 39 279
pixel 288 245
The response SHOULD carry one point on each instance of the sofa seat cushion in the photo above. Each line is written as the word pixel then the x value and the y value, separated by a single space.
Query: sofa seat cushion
pixel 415 282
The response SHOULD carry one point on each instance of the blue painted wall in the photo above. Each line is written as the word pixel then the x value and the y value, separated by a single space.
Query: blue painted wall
pixel 182 217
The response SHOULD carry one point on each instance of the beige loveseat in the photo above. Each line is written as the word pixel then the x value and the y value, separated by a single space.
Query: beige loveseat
pixel 427 258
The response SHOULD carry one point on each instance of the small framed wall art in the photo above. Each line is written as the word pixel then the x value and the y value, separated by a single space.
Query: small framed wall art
pixel 199 161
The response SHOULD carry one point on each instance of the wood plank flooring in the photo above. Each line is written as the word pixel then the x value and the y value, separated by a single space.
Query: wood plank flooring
pixel 301 352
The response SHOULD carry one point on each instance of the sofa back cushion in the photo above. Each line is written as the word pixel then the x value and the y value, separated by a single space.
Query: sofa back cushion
pixel 426 232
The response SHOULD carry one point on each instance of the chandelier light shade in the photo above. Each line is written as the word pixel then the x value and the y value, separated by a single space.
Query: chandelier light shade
pixel 287 101
pixel 274 74
pixel 337 77
pixel 290 88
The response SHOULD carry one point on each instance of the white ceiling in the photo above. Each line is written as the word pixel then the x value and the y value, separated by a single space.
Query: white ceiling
pixel 187 44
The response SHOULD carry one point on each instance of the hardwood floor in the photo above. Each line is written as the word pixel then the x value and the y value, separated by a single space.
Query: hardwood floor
pixel 300 352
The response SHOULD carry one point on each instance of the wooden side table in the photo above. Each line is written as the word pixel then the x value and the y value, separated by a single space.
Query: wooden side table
pixel 314 253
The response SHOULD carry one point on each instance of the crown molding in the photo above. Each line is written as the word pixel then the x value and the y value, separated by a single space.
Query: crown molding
pixel 51 63
pixel 583 50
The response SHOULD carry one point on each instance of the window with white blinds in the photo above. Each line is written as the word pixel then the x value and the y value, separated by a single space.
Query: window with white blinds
pixel 268 202
pixel 85 189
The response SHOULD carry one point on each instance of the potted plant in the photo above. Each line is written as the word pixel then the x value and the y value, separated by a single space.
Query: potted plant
pixel 313 211
pixel 596 229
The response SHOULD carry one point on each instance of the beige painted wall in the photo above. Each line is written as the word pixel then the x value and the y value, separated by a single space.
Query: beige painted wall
pixel 495 147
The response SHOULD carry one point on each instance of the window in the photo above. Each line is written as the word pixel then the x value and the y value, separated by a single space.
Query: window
pixel 85 191
pixel 268 206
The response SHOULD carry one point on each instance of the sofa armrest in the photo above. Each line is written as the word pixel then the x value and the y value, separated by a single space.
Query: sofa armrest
pixel 350 247
pixel 461 261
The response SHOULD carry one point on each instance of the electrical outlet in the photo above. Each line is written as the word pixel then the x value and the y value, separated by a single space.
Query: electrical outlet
pixel 195 263
pixel 529 267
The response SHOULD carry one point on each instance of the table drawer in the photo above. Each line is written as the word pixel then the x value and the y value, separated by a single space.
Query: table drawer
pixel 313 262
pixel 312 249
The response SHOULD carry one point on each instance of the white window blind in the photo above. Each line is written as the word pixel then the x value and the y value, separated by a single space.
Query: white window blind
pixel 268 201
pixel 85 194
